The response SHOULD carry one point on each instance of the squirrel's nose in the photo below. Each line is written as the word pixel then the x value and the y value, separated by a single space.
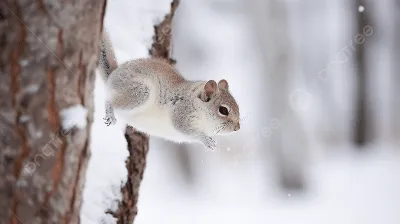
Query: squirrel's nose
pixel 237 127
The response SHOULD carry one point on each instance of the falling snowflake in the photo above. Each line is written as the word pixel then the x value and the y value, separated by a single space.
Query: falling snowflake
pixel 361 8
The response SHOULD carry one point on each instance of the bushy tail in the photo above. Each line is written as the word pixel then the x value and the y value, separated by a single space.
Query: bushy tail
pixel 108 63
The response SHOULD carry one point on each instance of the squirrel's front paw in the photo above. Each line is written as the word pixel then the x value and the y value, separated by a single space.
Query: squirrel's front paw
pixel 110 120
pixel 209 143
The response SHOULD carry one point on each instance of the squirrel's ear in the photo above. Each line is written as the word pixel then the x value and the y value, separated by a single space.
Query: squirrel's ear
pixel 223 84
pixel 209 88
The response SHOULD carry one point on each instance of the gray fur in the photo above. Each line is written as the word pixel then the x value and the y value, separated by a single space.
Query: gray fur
pixel 107 60
pixel 108 64
pixel 136 82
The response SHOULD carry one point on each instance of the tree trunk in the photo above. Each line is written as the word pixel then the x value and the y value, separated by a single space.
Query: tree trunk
pixel 361 123
pixel 138 143
pixel 48 55
pixel 395 118
pixel 286 137
pixel 288 142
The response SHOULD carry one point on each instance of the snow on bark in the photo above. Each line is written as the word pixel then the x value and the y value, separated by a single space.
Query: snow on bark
pixel 74 116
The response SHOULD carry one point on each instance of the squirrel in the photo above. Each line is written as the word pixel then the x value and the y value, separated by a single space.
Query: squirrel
pixel 150 95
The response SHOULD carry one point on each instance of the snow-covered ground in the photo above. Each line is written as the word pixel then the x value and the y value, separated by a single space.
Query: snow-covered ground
pixel 346 190
pixel 345 187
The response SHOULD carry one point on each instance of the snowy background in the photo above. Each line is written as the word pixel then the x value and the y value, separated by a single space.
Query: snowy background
pixel 334 180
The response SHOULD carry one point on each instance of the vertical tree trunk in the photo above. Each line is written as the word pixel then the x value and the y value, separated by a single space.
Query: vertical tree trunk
pixel 395 118
pixel 47 60
pixel 138 143
pixel 288 141
pixel 361 123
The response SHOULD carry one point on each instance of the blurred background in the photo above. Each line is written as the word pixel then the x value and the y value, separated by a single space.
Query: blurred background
pixel 317 83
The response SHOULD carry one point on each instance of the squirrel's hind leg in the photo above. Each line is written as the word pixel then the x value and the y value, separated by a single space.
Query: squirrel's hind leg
pixel 110 117
pixel 128 95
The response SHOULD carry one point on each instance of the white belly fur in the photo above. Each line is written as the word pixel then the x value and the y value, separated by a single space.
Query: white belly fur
pixel 154 121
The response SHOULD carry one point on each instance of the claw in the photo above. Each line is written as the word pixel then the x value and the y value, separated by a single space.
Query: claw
pixel 110 120
pixel 209 142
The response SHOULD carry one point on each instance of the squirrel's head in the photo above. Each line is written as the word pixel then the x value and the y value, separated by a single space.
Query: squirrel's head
pixel 222 110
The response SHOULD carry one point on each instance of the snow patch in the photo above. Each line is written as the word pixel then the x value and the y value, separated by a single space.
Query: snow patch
pixel 24 118
pixel 74 116
pixel 24 63
pixel 31 89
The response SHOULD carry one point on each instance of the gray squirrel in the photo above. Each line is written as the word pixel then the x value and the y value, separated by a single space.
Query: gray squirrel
pixel 152 97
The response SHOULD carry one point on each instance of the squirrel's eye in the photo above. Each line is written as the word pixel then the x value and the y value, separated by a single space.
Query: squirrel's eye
pixel 223 110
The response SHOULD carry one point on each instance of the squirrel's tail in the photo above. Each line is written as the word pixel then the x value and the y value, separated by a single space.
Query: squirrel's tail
pixel 107 61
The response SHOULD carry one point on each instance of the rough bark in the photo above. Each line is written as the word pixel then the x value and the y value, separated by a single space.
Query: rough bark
pixel 162 40
pixel 48 53
pixel 138 143
pixel 361 121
